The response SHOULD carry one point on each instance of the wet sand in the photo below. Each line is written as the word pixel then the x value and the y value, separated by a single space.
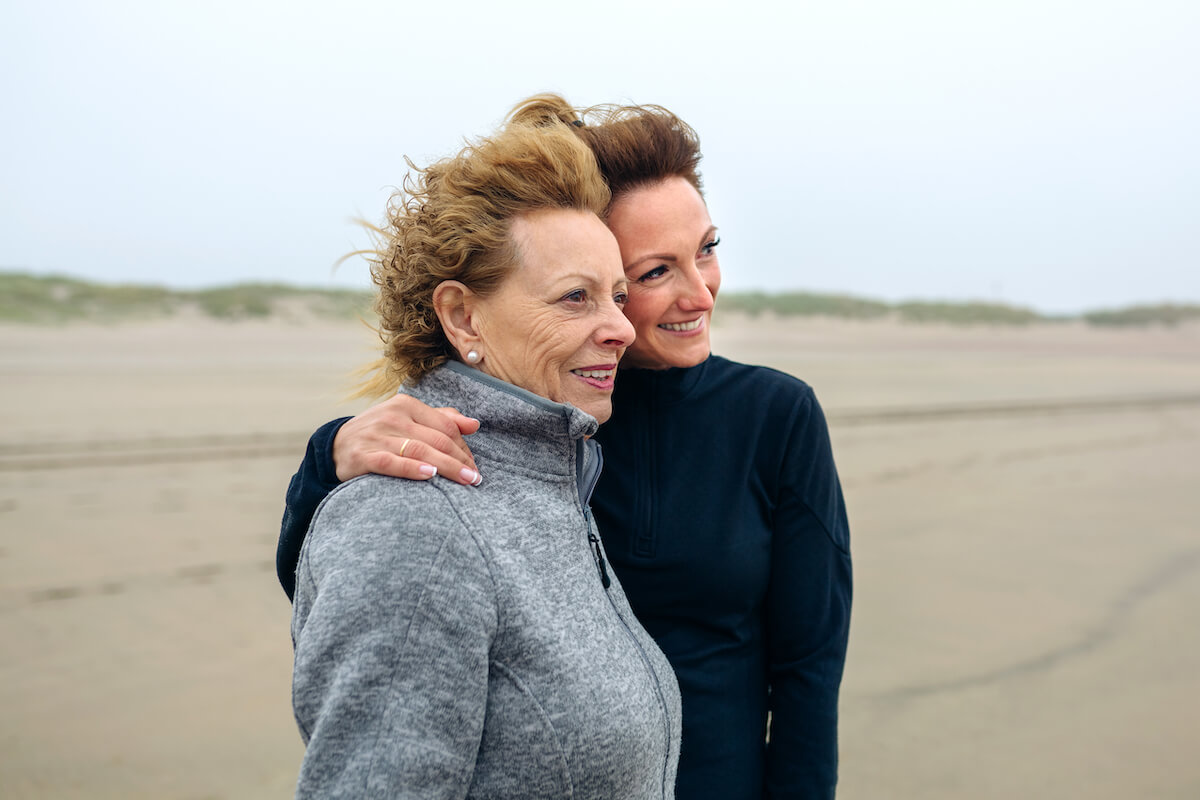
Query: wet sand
pixel 1025 525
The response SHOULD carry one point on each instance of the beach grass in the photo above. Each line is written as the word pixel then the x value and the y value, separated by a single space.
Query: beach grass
pixel 55 299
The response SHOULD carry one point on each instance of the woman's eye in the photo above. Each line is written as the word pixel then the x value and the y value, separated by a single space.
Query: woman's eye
pixel 657 272
pixel 710 246
pixel 577 296
pixel 620 298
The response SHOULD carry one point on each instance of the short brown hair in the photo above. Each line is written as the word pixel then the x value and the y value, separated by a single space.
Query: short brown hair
pixel 452 221
pixel 634 145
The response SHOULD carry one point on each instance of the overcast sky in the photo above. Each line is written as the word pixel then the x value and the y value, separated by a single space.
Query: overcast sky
pixel 1037 152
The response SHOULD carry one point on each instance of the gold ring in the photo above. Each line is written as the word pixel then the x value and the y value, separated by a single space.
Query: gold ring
pixel 401 453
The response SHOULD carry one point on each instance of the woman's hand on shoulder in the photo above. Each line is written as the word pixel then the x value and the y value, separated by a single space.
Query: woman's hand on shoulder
pixel 404 438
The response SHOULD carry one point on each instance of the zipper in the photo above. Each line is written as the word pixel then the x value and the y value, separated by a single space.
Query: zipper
pixel 599 556
pixel 587 479
pixel 645 538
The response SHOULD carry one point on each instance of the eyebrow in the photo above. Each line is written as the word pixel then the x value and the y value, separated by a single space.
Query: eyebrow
pixel 579 277
pixel 668 257
pixel 573 277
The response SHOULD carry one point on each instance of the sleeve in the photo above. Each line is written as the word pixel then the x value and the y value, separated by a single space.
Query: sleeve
pixel 808 612
pixel 316 478
pixel 392 625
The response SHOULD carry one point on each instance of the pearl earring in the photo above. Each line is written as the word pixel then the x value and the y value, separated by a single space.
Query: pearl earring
pixel 472 357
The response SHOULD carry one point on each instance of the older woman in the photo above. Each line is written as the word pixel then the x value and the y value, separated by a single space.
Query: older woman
pixel 454 641
pixel 720 505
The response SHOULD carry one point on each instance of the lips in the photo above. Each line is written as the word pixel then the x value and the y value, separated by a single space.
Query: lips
pixel 683 327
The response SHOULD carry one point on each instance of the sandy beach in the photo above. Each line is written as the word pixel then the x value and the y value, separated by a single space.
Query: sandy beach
pixel 1025 511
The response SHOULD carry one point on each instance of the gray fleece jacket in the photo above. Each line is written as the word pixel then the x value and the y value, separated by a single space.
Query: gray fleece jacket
pixel 455 641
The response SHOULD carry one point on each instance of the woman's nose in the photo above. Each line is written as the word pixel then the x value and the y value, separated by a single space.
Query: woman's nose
pixel 616 329
pixel 698 296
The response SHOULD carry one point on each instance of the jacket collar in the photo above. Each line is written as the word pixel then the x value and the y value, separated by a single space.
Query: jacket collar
pixel 660 386
pixel 516 425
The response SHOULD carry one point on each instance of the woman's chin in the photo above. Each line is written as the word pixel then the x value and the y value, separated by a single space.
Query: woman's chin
pixel 600 410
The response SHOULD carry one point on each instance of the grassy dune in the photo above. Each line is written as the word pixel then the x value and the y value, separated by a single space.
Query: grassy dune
pixel 54 299
pixel 34 299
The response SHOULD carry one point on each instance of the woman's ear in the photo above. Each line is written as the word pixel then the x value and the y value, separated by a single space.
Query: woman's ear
pixel 455 305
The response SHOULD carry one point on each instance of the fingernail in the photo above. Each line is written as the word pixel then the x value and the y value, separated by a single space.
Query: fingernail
pixel 471 476
pixel 427 470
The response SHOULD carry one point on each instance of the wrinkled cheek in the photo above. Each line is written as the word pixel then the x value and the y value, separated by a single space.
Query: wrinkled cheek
pixel 544 358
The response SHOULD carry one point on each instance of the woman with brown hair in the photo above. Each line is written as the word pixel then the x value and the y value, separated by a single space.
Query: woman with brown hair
pixel 455 641
pixel 719 507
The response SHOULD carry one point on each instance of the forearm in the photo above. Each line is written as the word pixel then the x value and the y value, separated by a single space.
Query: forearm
pixel 802 753
pixel 809 616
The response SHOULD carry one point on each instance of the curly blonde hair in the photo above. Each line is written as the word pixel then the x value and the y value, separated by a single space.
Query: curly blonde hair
pixel 452 221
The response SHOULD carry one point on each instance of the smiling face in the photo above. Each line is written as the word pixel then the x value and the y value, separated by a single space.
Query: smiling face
pixel 668 245
pixel 555 326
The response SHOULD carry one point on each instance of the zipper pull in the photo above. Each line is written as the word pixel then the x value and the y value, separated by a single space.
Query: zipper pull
pixel 600 560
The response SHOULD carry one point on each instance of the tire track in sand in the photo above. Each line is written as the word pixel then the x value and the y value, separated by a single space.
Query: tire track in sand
pixel 57 455
pixel 1161 578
